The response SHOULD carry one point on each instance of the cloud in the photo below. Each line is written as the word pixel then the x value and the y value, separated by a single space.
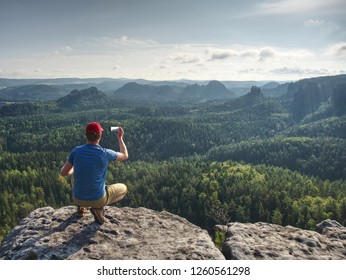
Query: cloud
pixel 106 45
pixel 21 72
pixel 286 71
pixel 61 51
pixel 124 56
pixel 133 42
pixel 220 54
pixel 324 27
pixel 338 50
pixel 267 53
pixel 258 54
pixel 286 7
pixel 186 58
pixel 249 54
pixel 299 71
pixel 248 71
pixel 314 23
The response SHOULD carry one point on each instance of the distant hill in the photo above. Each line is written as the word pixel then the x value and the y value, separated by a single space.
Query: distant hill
pixel 31 93
pixel 136 92
pixel 170 92
pixel 325 84
pixel 304 96
pixel 62 85
pixel 240 88
pixel 90 98
pixel 251 98
pixel 212 91
pixel 309 94
pixel 270 85
pixel 274 91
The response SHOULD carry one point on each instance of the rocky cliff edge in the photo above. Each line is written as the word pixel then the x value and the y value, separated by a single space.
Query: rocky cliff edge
pixel 128 233
pixel 140 233
pixel 263 241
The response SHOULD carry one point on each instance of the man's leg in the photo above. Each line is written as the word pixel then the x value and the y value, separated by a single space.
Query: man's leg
pixel 116 192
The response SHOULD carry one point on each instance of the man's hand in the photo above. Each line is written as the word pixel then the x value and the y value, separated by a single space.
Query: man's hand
pixel 122 155
pixel 120 132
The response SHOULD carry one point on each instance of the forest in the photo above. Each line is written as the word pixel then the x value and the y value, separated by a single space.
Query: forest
pixel 262 156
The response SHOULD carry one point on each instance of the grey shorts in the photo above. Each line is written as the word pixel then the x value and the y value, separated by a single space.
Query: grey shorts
pixel 112 193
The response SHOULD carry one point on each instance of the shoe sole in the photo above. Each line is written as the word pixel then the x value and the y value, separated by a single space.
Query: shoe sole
pixel 81 211
pixel 98 215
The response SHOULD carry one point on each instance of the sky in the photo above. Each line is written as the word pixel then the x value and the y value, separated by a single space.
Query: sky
pixel 235 40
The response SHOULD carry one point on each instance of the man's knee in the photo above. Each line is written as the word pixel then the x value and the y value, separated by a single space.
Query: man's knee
pixel 124 188
pixel 116 192
pixel 119 188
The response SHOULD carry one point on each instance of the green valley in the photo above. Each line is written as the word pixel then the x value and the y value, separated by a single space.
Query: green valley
pixel 203 151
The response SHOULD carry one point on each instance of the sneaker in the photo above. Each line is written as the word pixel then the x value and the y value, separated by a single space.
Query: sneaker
pixel 81 211
pixel 98 214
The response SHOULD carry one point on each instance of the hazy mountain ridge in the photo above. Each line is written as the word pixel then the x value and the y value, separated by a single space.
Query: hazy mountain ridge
pixel 31 93
pixel 144 93
pixel 167 91
pixel 318 98
pixel 171 92
pixel 111 87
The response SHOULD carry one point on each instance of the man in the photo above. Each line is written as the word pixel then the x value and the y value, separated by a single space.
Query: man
pixel 88 166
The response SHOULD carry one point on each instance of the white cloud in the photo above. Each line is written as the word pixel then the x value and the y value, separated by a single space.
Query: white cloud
pixel 186 58
pixel 251 71
pixel 133 42
pixel 314 23
pixel 300 71
pixel 322 26
pixel 21 72
pixel 262 54
pixel 286 71
pixel 337 50
pixel 137 58
pixel 298 6
pixel 220 54
pixel 61 51
pixel 124 41
pixel 267 53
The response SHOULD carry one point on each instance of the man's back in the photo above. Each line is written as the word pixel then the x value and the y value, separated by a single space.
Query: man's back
pixel 90 170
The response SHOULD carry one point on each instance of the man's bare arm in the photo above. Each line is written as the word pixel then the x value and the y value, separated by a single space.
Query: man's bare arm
pixel 67 169
pixel 122 154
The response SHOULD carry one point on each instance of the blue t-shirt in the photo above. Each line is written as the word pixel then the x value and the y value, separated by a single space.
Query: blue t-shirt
pixel 90 170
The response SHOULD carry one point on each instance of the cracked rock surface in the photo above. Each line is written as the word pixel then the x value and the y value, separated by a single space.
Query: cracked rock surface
pixel 128 233
pixel 264 241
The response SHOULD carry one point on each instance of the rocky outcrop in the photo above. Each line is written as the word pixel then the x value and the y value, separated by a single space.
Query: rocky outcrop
pixel 140 233
pixel 263 241
pixel 128 233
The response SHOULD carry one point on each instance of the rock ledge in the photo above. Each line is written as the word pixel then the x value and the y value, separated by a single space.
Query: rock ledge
pixel 128 233
pixel 263 241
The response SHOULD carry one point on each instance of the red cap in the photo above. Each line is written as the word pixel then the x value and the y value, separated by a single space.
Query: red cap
pixel 93 127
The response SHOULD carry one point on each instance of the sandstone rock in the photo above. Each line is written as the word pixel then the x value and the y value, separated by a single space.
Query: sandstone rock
pixel 273 242
pixel 128 233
